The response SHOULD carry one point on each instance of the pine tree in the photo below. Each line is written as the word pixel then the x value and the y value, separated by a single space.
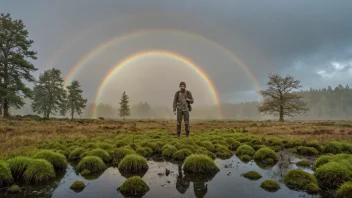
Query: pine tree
pixel 279 99
pixel 75 101
pixel 124 107
pixel 49 95
pixel 15 69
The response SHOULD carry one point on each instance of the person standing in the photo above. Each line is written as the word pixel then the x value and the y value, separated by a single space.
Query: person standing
pixel 181 107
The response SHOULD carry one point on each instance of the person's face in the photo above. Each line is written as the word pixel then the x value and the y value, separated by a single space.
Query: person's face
pixel 182 87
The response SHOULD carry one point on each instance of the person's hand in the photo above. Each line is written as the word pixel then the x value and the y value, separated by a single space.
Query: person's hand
pixel 188 100
pixel 174 112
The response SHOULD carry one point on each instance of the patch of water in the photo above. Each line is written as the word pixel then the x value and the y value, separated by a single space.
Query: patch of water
pixel 174 183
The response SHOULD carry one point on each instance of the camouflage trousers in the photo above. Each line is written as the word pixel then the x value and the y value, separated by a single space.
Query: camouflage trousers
pixel 185 116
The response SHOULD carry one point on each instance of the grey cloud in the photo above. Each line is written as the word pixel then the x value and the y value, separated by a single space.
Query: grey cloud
pixel 299 38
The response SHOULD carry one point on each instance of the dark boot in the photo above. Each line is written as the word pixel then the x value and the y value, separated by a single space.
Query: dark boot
pixel 178 130
pixel 187 130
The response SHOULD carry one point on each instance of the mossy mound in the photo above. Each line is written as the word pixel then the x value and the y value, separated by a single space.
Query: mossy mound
pixel 200 164
pixel 39 171
pixel 85 172
pixel 299 179
pixel 92 163
pixel 323 160
pixel 275 148
pixel 168 150
pixel 246 158
pixel 91 146
pixel 18 165
pixel 207 153
pixel 304 150
pixel 104 155
pixel 118 154
pixel 104 146
pixel 333 174
pixel 345 191
pixel 144 151
pixel 270 185
pixel 76 153
pixel 257 147
pixel 252 175
pixel 233 144
pixel 14 189
pixel 266 156
pixel 133 164
pixel 58 160
pixel 121 143
pixel 208 145
pixel 333 147
pixel 154 146
pixel 303 163
pixel 315 145
pixel 5 174
pixel 77 186
pixel 312 188
pixel 245 150
pixel 181 154
pixel 134 186
pixel 222 152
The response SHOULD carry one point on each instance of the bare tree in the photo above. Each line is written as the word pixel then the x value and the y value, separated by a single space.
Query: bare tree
pixel 279 99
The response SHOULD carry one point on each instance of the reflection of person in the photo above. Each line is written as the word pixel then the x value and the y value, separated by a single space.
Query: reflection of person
pixel 182 184
pixel 182 103
pixel 200 189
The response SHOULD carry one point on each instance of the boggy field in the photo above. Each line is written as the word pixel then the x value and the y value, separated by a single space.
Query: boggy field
pixel 142 158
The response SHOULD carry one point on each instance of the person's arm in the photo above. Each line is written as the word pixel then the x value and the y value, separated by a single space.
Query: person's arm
pixel 175 102
pixel 190 97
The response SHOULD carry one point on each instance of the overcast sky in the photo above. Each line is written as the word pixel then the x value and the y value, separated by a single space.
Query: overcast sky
pixel 311 40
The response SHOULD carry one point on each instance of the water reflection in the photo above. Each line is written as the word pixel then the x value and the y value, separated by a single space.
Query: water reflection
pixel 182 184
pixel 167 179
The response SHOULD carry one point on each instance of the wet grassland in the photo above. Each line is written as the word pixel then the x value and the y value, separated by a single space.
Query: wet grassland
pixel 87 158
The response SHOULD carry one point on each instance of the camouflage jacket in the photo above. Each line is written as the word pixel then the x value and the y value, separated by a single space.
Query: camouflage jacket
pixel 180 103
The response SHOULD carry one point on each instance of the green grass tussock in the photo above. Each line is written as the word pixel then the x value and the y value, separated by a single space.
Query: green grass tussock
pixel 76 153
pixel 104 146
pixel 303 163
pixel 92 163
pixel 39 171
pixel 266 156
pixel 332 174
pixel 233 144
pixel 222 152
pixel 270 185
pixel 345 191
pixel 144 151
pixel 134 186
pixel 299 179
pixel 304 150
pixel 85 172
pixel 200 164
pixel 133 164
pixel 168 150
pixel 252 175
pixel 118 154
pixel 18 165
pixel 245 150
pixel 5 174
pixel 333 147
pixel 180 155
pixel 14 189
pixel 78 185
pixel 104 155
pixel 208 145
pixel 246 158
pixel 58 161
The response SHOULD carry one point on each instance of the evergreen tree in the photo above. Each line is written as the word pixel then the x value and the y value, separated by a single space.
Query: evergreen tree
pixel 15 69
pixel 49 95
pixel 75 101
pixel 279 99
pixel 124 107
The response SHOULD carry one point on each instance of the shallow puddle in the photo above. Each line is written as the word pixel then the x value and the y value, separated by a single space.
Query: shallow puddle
pixel 173 183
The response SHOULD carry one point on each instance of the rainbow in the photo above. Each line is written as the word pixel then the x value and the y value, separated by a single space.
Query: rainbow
pixel 134 57
pixel 118 39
